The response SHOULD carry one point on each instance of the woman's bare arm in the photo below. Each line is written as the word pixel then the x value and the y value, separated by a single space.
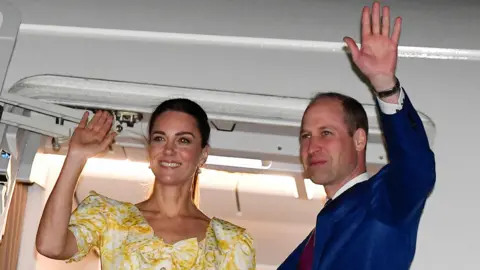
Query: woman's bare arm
pixel 54 239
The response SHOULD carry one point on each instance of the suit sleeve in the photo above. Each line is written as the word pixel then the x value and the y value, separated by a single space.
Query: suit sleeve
pixel 410 175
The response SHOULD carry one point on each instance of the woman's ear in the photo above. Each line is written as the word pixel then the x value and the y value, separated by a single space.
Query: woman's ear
pixel 204 156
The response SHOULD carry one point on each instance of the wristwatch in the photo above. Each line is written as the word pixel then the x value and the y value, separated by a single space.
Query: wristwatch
pixel 390 92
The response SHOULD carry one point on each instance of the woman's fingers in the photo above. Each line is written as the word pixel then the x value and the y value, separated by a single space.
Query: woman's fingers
pixel 84 121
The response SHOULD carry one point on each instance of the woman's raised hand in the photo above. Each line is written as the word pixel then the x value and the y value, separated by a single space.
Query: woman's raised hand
pixel 92 138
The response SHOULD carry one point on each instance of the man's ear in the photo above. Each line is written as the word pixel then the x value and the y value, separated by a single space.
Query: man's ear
pixel 360 139
pixel 204 156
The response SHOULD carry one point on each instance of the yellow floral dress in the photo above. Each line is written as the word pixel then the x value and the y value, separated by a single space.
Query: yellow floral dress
pixel 126 241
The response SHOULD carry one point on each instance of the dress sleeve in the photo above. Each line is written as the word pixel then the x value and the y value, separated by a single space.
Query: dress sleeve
pixel 244 256
pixel 88 223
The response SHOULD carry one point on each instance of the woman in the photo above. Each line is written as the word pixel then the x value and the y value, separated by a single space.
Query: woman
pixel 167 231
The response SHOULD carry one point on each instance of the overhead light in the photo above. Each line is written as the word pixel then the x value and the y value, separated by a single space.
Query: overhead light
pixel 138 171
pixel 98 167
pixel 238 162
pixel 115 168
pixel 314 191
pixel 274 185
pixel 105 166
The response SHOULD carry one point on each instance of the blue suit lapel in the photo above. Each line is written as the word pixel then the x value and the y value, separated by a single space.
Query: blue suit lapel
pixel 292 260
pixel 322 234
pixel 331 214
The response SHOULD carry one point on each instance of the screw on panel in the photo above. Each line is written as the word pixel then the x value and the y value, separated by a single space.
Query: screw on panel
pixel 279 148
pixel 55 145
pixel 119 128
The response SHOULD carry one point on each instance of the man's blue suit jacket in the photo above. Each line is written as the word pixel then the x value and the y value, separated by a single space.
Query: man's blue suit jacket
pixel 373 225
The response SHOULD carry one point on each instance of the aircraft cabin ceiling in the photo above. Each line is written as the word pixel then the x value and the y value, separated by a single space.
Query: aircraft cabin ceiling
pixel 284 48
pixel 427 23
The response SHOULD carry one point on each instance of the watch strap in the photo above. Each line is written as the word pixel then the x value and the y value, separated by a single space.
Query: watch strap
pixel 396 89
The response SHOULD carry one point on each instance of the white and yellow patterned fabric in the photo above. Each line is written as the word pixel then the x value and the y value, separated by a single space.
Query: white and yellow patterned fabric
pixel 126 241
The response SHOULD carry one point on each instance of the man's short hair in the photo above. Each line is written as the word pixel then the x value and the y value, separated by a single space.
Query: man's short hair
pixel 355 114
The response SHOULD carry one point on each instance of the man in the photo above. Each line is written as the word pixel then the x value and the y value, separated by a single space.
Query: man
pixel 367 223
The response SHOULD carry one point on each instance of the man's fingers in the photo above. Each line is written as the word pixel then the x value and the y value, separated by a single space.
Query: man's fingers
pixel 397 28
pixel 352 46
pixel 386 21
pixel 366 26
pixel 376 18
